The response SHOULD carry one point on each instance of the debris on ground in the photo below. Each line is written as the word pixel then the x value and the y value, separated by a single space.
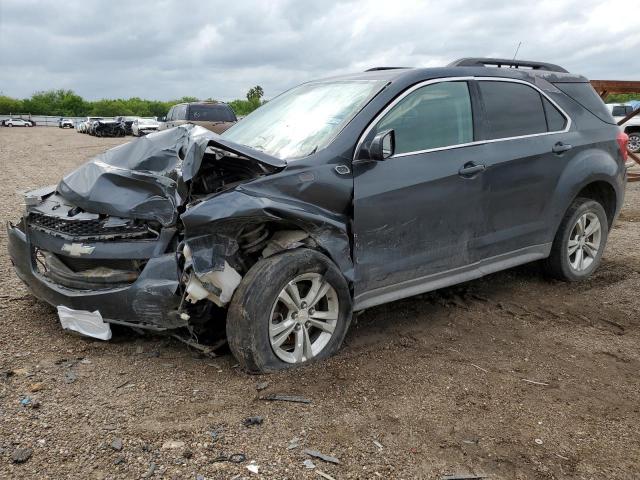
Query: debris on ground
pixel 463 476
pixel 285 398
pixel 253 468
pixel 293 443
pixel 36 387
pixel 309 464
pixel 70 376
pixel 538 441
pixel 535 383
pixel 248 422
pixel 262 385
pixel 172 444
pixel 117 444
pixel 233 458
pixel 378 444
pixel 322 456
pixel 21 455
pixel 326 476
pixel 150 471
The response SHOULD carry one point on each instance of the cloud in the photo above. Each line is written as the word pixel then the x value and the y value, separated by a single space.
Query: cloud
pixel 166 49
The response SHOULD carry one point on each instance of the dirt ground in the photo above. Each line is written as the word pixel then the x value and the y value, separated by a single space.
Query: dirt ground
pixel 511 376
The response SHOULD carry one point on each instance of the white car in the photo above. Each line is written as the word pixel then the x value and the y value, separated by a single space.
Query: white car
pixel 84 126
pixel 631 127
pixel 143 126
pixel 18 122
pixel 65 123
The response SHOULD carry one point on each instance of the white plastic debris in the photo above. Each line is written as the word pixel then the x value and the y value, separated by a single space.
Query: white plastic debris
pixel 253 468
pixel 84 322
pixel 226 281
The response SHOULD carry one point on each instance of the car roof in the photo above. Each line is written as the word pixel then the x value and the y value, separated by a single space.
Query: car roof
pixel 393 74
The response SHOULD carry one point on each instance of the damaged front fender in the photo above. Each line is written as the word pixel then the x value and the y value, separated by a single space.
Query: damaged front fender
pixel 218 223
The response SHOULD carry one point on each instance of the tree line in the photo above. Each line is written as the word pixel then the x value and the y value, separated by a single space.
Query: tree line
pixel 66 103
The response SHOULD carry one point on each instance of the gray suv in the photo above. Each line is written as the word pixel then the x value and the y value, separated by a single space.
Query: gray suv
pixel 336 196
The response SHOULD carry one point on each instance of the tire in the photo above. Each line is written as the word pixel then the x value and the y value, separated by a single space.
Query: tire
pixel 573 267
pixel 10 125
pixel 634 142
pixel 256 309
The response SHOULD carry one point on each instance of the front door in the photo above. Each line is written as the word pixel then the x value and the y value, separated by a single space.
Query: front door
pixel 416 213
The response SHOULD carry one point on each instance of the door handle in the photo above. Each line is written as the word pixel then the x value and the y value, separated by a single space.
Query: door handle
pixel 561 147
pixel 470 169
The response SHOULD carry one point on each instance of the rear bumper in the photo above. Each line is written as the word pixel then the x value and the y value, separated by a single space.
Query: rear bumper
pixel 150 302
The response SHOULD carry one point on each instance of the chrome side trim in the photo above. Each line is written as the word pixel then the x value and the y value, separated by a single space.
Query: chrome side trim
pixel 436 281
pixel 460 145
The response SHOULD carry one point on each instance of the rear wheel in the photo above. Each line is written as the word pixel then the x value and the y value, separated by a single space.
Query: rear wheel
pixel 634 142
pixel 579 243
pixel 290 309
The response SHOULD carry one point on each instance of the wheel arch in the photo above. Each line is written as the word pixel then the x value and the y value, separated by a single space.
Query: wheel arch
pixel 594 173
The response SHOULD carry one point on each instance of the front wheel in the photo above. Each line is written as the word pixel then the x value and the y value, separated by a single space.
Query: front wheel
pixel 290 309
pixel 579 242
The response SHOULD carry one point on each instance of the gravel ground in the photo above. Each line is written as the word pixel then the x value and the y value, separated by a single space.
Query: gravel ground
pixel 511 376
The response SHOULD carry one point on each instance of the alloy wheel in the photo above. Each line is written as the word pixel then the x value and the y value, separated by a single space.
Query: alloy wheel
pixel 303 318
pixel 584 242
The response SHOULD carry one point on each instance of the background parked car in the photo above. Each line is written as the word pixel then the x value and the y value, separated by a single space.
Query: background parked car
pixel 85 126
pixel 214 116
pixel 631 127
pixel 143 126
pixel 126 123
pixel 65 123
pixel 18 122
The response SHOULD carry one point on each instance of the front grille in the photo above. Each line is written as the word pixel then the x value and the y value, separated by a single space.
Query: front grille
pixel 87 229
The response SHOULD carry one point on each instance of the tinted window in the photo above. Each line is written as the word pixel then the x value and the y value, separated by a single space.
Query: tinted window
pixel 170 114
pixel 585 95
pixel 512 109
pixel 621 110
pixel 180 112
pixel 555 120
pixel 433 116
pixel 211 113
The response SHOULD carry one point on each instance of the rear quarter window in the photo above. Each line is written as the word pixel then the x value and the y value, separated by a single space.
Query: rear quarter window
pixel 512 110
pixel 586 96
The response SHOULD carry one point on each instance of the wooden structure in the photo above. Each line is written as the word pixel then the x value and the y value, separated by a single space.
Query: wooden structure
pixel 606 87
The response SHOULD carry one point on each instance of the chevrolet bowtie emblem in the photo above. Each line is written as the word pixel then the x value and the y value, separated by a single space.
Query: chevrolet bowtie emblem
pixel 77 249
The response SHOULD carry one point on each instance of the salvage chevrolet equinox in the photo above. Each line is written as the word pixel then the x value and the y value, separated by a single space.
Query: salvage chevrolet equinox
pixel 336 196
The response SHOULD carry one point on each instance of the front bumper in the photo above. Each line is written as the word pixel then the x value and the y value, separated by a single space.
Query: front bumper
pixel 149 302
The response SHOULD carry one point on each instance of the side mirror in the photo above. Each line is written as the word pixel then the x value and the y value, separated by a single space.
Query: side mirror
pixel 383 145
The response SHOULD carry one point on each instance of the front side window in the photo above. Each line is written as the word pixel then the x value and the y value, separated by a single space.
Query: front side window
pixel 433 116
pixel 512 110
pixel 304 119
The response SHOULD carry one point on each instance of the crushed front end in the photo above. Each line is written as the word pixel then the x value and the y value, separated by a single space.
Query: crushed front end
pixel 109 237
pixel 124 268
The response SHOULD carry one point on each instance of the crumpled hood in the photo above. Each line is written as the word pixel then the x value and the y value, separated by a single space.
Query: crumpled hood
pixel 146 177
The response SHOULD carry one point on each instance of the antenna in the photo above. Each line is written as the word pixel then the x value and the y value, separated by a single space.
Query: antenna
pixel 517 50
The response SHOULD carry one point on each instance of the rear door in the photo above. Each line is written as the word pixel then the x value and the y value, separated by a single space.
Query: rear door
pixel 528 146
pixel 416 213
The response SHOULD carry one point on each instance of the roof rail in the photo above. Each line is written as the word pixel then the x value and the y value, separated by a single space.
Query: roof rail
pixel 504 62
pixel 376 69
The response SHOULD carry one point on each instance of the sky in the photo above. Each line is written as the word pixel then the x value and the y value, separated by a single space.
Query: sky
pixel 164 49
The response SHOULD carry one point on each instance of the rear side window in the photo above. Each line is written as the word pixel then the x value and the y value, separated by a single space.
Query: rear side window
pixel 555 120
pixel 512 110
pixel 433 116
pixel 585 95
pixel 211 113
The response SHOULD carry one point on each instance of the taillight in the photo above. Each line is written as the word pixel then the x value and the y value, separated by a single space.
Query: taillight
pixel 623 140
